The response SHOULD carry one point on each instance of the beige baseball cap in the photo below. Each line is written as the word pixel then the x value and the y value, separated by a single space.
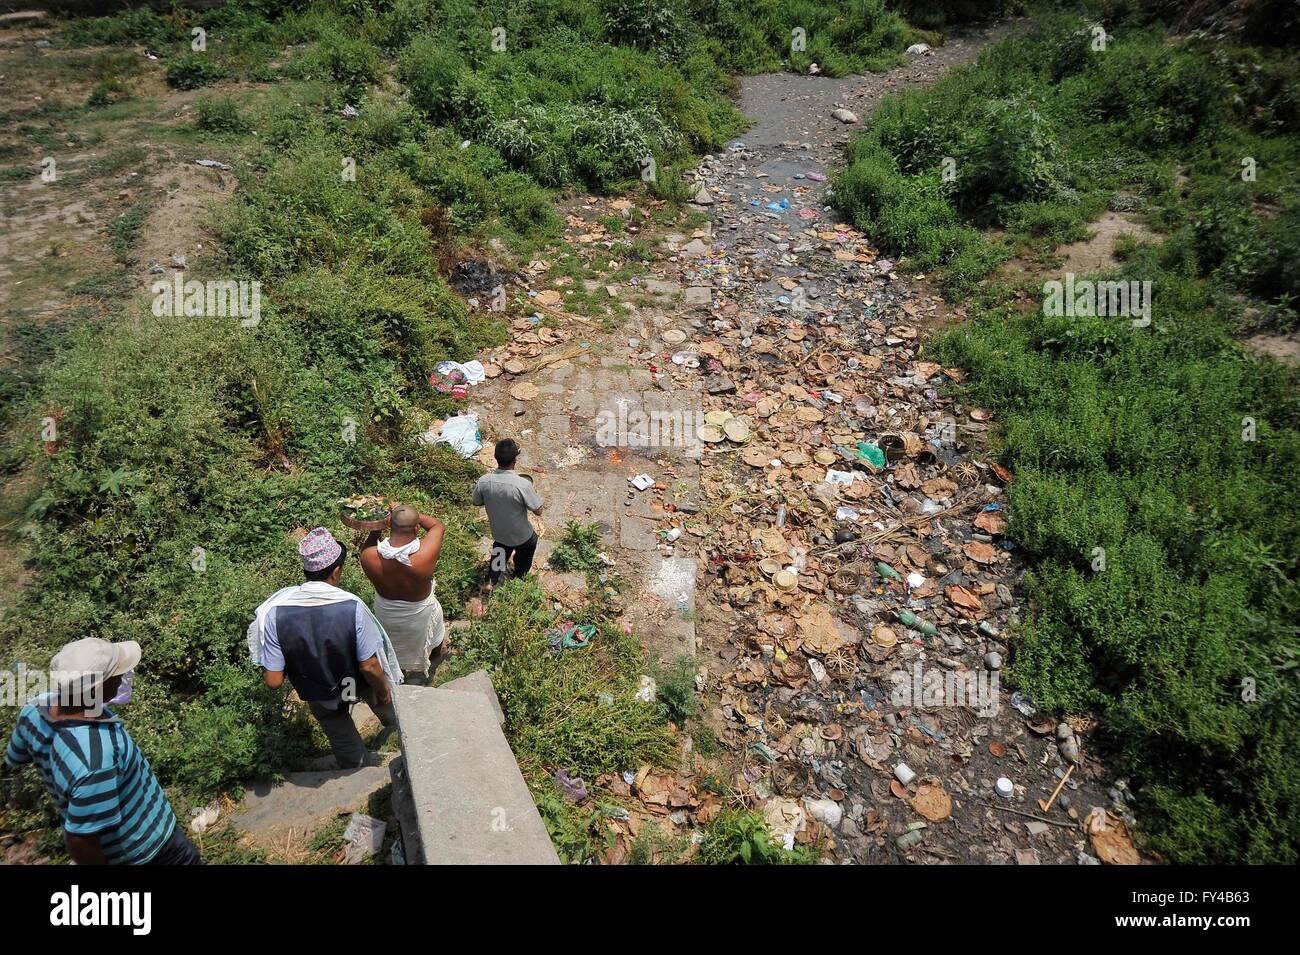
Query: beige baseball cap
pixel 90 661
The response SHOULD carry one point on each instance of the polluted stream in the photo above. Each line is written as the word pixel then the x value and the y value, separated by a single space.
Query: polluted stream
pixel 857 582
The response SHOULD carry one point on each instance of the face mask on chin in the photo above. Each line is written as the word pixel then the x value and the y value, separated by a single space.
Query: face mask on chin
pixel 123 694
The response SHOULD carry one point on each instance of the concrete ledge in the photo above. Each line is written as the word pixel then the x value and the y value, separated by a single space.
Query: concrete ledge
pixel 478 682
pixel 471 804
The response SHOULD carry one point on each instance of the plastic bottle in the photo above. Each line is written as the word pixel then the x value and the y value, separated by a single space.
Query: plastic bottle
pixel 884 570
pixel 911 620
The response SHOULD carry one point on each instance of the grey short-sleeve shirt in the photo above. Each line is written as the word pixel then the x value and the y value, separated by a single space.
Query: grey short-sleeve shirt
pixel 508 498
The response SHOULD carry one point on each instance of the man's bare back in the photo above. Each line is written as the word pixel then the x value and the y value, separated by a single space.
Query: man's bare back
pixel 395 580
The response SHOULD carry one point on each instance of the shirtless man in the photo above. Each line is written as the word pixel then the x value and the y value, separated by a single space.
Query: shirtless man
pixel 401 568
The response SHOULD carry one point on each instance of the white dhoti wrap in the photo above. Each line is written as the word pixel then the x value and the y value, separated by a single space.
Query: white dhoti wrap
pixel 415 627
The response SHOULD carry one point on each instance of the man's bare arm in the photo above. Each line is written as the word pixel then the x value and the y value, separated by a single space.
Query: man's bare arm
pixel 84 849
pixel 426 558
pixel 375 676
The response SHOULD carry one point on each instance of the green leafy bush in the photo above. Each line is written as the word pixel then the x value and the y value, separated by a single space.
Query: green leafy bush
pixel 736 837
pixel 219 114
pixel 578 548
pixel 1131 440
pixel 191 71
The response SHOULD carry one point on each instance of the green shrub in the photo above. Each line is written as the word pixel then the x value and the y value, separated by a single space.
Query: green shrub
pixel 350 61
pixel 219 114
pixel 123 28
pixel 1130 440
pixel 191 71
pixel 578 548
pixel 431 70
pixel 654 25
pixel 676 689
pixel 107 92
pixel 736 837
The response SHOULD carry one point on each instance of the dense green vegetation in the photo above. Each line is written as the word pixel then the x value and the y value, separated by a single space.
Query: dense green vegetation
pixel 1050 130
pixel 1133 440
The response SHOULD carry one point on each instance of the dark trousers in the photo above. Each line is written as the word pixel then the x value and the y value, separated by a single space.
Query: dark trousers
pixel 178 850
pixel 335 718
pixel 523 555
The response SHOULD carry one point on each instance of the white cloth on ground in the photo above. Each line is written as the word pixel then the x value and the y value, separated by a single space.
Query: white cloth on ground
pixel 315 594
pixel 400 554
pixel 473 371
pixel 415 626
pixel 461 432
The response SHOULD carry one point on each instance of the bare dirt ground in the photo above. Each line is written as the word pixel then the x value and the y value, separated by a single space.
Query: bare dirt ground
pixel 109 200
pixel 1096 253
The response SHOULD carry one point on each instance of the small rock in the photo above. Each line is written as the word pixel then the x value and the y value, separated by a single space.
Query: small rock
pixel 846 116
pixel 993 660
pixel 719 385
pixel 702 196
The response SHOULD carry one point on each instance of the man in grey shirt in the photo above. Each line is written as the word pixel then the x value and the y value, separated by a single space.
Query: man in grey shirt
pixel 508 498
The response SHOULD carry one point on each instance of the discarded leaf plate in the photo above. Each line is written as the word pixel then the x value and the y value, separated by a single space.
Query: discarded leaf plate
pixel 736 429
pixel 717 418
pixel 785 580
pixel 757 457
pixel 769 566
pixel 933 803
pixel 674 336
pixel 884 637
pixel 710 433
pixel 825 456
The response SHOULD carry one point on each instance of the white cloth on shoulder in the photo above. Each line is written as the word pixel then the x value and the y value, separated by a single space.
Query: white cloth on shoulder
pixel 415 626
pixel 316 594
pixel 400 554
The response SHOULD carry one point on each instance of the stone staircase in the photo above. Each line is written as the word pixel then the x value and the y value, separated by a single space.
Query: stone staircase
pixel 457 790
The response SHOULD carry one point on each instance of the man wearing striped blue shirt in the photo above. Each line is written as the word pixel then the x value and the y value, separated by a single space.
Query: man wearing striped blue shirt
pixel 113 809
